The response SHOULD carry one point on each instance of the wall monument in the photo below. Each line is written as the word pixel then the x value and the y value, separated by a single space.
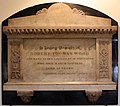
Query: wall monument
pixel 59 48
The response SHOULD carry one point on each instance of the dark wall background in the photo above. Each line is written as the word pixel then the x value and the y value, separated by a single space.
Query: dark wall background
pixel 59 97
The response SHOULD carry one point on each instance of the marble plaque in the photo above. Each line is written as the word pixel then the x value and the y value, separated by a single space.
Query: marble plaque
pixel 59 60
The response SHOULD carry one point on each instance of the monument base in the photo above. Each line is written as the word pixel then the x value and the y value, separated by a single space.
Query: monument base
pixel 93 90
pixel 57 86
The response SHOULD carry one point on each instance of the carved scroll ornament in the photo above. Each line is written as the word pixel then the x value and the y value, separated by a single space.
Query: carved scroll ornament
pixel 103 59
pixel 15 60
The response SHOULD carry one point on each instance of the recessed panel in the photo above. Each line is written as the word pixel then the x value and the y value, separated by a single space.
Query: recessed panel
pixel 59 60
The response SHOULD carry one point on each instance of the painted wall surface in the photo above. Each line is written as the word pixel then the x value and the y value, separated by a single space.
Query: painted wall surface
pixel 109 7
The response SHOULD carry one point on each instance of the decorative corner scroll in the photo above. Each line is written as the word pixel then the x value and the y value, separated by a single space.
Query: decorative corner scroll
pixel 75 10
pixel 103 59
pixel 43 11
pixel 15 60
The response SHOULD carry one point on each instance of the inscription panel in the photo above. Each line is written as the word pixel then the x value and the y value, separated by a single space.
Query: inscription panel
pixel 64 60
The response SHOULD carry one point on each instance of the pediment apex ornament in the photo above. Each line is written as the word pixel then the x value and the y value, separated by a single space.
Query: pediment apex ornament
pixel 61 8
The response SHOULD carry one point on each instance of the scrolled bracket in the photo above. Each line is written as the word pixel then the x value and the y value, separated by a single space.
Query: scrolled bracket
pixel 93 96
pixel 26 96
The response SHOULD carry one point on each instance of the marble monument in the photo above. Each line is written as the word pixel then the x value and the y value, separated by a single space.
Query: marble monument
pixel 58 49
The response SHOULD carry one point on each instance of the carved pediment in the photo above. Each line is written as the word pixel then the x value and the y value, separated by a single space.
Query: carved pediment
pixel 60 14
pixel 59 10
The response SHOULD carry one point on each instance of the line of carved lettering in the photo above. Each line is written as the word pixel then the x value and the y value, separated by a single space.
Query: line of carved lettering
pixel 79 75
pixel 58 53
pixel 51 58
pixel 67 47
pixel 59 63
pixel 59 68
